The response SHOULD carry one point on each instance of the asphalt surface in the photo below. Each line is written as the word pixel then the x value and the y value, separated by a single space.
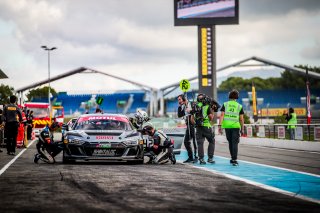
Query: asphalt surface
pixel 103 187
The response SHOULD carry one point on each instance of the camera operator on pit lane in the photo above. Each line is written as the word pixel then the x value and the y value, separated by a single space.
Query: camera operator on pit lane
pixel 202 114
pixel 184 111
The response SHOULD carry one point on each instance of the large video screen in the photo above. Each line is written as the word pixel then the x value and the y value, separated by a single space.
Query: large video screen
pixel 206 12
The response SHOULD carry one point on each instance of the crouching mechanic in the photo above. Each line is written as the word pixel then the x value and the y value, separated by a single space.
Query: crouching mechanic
pixel 46 147
pixel 162 149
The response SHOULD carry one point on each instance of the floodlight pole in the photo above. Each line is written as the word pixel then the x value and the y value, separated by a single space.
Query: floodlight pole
pixel 49 101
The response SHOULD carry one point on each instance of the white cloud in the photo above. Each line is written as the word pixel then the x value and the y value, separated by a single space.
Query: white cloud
pixel 137 39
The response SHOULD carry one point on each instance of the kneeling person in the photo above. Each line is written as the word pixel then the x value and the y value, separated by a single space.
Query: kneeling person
pixel 46 147
pixel 162 149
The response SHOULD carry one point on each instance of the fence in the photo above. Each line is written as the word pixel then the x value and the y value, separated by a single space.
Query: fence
pixel 275 131
pixel 280 131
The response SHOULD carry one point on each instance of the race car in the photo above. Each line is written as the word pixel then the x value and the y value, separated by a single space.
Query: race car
pixel 107 137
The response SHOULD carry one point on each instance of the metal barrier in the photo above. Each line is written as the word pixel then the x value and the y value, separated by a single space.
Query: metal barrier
pixel 280 131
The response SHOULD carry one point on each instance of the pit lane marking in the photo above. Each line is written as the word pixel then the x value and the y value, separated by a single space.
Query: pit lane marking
pixel 15 158
pixel 309 182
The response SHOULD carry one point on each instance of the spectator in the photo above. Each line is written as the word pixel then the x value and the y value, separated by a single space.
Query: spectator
pixel 292 121
pixel 99 111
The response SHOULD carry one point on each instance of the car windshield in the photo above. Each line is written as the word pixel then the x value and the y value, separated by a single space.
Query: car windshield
pixel 102 124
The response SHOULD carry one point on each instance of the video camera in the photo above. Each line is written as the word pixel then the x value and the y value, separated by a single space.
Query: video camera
pixel 206 100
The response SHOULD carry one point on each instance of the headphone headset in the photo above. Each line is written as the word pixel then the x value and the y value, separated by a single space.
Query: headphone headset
pixel 183 97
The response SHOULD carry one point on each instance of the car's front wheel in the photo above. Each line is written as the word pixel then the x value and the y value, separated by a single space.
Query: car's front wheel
pixel 136 162
pixel 65 159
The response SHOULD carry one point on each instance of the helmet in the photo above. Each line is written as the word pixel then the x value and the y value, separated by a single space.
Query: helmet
pixel 142 116
pixel 147 128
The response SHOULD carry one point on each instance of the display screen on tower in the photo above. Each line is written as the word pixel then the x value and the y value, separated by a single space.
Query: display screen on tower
pixel 206 12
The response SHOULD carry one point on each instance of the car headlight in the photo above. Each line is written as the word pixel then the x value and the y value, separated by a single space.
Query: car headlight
pixel 131 142
pixel 76 141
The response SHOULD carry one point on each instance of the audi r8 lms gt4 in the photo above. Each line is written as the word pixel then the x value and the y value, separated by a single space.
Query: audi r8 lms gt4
pixel 108 137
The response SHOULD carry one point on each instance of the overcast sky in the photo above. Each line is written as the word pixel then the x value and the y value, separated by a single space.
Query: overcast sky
pixel 136 39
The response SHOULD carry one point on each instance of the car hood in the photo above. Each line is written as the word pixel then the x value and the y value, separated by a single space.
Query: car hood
pixel 103 135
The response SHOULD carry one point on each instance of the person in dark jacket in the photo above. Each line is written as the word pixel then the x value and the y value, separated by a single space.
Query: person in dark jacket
pixel 11 117
pixel 184 112
pixel 29 125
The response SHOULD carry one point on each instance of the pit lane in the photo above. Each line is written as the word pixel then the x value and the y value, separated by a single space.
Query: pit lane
pixel 109 187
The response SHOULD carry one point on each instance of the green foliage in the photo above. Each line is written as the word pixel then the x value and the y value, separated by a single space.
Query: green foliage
pixel 5 93
pixel 246 119
pixel 40 93
pixel 280 120
pixel 246 84
pixel 288 80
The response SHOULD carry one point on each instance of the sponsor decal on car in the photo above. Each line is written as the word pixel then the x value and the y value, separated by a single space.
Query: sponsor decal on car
pixel 104 152
pixel 103 146
pixel 104 137
pixel 114 118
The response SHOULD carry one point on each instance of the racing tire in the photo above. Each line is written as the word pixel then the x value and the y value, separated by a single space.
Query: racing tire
pixel 136 162
pixel 65 159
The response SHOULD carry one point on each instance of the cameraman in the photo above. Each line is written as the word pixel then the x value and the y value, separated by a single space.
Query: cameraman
pixel 202 115
pixel 232 121
pixel 184 111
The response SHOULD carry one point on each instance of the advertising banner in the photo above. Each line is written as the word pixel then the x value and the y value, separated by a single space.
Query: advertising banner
pixel 279 111
pixel 317 133
pixel 281 132
pixel 249 131
pixel 298 134
pixel 262 132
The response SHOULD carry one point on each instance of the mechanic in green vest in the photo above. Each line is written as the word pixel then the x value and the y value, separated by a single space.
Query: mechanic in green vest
pixel 202 114
pixel 231 119
pixel 292 121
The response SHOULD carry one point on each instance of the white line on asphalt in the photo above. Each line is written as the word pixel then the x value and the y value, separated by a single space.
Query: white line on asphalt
pixel 15 158
pixel 275 167
pixel 270 188
pixel 278 148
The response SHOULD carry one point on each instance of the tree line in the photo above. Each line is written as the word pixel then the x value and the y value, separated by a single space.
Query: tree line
pixel 288 80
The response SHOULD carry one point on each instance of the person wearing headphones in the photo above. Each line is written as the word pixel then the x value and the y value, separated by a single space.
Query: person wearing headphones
pixel 184 111
pixel 202 115
pixel 231 119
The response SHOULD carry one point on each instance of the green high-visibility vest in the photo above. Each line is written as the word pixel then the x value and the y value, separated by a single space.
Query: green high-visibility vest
pixel 293 121
pixel 206 121
pixel 231 115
